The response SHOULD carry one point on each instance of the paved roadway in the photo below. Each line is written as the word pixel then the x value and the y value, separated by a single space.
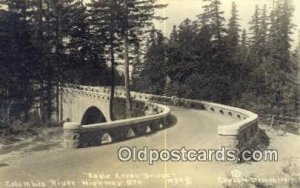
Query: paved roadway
pixel 73 168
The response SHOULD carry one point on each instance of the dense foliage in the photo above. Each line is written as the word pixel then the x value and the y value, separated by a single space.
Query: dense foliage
pixel 46 43
pixel 208 59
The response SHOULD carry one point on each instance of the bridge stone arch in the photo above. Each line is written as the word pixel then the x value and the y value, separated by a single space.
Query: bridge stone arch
pixel 84 106
pixel 237 135
pixel 92 115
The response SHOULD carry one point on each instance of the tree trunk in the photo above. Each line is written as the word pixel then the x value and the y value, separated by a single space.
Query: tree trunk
pixel 57 102
pixel 112 88
pixel 58 59
pixel 49 77
pixel 61 102
pixel 42 101
pixel 126 46
pixel 127 86
pixel 49 89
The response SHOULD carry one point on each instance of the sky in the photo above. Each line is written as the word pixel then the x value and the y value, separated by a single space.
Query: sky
pixel 179 10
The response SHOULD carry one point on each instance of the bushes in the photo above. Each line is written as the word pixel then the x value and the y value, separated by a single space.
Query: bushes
pixel 11 131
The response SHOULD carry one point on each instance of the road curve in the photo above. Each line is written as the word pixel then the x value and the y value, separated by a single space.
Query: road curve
pixel 194 129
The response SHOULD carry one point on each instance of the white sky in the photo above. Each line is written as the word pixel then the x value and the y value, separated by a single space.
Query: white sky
pixel 179 10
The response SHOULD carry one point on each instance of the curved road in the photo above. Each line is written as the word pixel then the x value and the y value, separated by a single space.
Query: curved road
pixel 100 167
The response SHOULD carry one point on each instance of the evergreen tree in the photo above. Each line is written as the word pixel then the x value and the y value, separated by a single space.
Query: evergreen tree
pixel 244 85
pixel 172 58
pixel 137 65
pixel 264 30
pixel 215 19
pixel 233 37
pixel 233 49
pixel 84 47
pixel 152 78
pixel 255 33
pixel 105 25
pixel 38 30
pixel 136 17
pixel 257 47
pixel 16 56
pixel 244 46
pixel 220 64
pixel 45 18
pixel 279 67
pixel 182 51
pixel 188 62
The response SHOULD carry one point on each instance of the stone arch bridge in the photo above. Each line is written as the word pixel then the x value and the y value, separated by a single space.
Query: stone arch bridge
pixel 86 112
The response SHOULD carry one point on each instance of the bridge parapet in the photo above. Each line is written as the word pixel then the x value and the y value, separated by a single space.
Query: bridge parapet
pixel 236 135
pixel 77 135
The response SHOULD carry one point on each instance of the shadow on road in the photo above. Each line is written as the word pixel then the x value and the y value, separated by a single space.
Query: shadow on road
pixel 172 121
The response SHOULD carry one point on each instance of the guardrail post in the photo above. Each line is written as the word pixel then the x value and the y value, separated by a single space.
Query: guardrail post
pixel 72 134
pixel 272 120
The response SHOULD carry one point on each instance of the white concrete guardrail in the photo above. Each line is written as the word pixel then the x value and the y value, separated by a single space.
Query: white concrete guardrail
pixel 77 135
pixel 236 135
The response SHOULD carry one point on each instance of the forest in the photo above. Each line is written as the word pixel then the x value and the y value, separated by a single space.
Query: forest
pixel 45 44
pixel 212 59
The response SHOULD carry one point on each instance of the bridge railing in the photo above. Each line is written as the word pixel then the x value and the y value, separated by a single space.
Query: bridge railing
pixel 77 135
pixel 235 135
